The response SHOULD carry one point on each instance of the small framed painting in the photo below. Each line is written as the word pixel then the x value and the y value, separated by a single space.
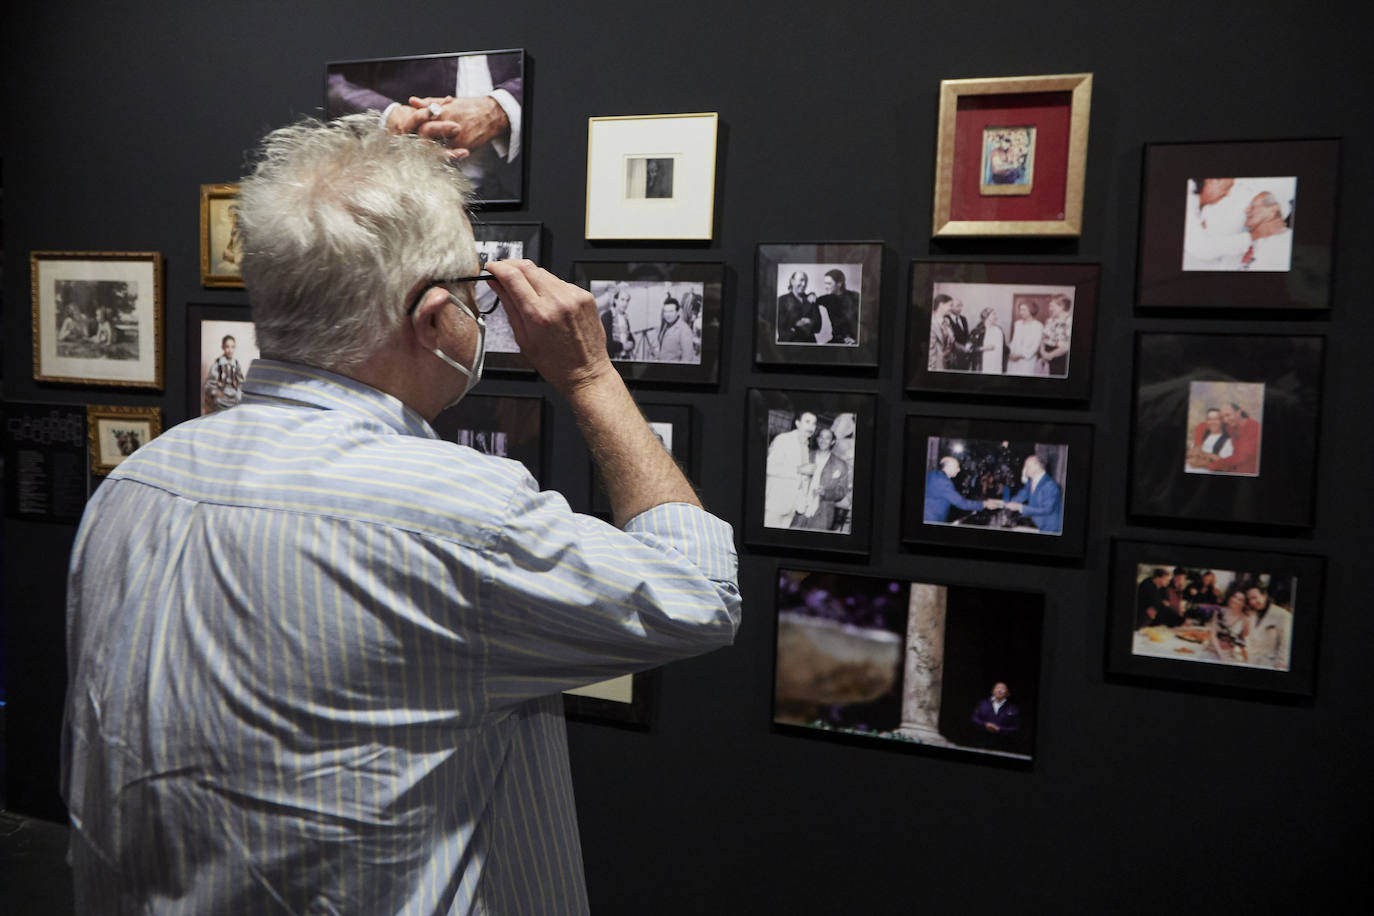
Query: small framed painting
pixel 818 303
pixel 1238 225
pixel 662 319
pixel 809 469
pixel 1010 330
pixel 97 317
pixel 651 177
pixel 116 432
pixel 221 245
pixel 1207 616
pixel 1011 156
pixel 1225 427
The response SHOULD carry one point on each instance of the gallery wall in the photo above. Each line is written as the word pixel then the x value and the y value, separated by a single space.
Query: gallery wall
pixel 1141 795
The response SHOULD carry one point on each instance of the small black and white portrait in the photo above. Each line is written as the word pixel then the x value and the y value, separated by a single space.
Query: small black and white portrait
pixel 818 304
pixel 810 471
pixel 649 177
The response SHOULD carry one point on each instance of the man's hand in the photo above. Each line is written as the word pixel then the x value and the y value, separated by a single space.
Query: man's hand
pixel 555 323
pixel 461 125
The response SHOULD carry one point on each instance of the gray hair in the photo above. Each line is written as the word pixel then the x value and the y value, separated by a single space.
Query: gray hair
pixel 340 221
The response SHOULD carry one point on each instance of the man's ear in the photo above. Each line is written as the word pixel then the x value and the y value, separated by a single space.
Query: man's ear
pixel 427 316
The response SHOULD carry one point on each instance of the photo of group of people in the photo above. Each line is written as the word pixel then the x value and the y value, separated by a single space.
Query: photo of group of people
pixel 1008 160
pixel 818 304
pixel 651 321
pixel 1225 420
pixel 1019 329
pixel 1216 616
pixel 1235 224
pixel 810 470
pixel 227 349
pixel 96 319
pixel 942 666
pixel 1003 485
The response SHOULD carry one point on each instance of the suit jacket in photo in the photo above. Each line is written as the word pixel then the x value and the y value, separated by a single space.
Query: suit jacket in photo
pixel 791 310
pixel 962 355
pixel 941 495
pixel 1007 719
pixel 843 308
pixel 1041 503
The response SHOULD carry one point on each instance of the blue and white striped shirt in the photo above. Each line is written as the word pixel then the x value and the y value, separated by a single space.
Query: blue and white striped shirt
pixel 316 653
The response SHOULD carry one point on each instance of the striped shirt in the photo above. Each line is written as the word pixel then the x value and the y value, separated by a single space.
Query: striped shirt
pixel 315 659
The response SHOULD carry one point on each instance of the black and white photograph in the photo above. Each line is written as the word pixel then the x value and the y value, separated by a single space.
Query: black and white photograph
pixel 921 665
pixel 649 177
pixel 471 102
pixel 1238 225
pixel 97 318
pixel 813 452
pixel 1214 616
pixel 1003 485
pixel 662 320
pixel 503 425
pixel 1006 329
pixel 1225 427
pixel 504 242
pixel 1225 422
pixel 818 303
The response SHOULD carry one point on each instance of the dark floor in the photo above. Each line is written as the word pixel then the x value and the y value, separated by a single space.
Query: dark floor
pixel 34 878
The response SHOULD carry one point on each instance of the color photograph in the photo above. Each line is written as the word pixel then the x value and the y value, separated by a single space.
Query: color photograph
pixel 1225 420
pixel 1239 224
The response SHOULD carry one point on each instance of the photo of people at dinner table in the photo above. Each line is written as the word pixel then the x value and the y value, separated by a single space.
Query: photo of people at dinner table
pixel 1218 616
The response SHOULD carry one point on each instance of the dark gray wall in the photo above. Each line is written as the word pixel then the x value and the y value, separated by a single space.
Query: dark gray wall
pixel 1140 798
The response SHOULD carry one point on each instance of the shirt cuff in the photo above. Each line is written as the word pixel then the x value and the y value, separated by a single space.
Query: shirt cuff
pixel 704 540
pixel 386 113
pixel 512 109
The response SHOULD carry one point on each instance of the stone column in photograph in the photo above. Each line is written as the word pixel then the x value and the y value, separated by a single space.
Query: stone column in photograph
pixel 925 664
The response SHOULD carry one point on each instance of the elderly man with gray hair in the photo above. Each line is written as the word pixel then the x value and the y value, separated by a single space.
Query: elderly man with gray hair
pixel 315 652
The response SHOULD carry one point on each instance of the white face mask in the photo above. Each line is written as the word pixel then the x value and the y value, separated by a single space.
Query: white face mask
pixel 473 375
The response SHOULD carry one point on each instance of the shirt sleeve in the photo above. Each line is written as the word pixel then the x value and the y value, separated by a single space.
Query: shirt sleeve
pixel 571 599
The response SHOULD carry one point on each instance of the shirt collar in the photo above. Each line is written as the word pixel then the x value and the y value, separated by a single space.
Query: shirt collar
pixel 275 381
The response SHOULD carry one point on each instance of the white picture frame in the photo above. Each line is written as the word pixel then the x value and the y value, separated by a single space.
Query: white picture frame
pixel 651 176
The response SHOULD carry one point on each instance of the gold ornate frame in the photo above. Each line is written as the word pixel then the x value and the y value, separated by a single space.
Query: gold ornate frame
pixel 209 193
pixel 101 463
pixel 46 365
pixel 1080 85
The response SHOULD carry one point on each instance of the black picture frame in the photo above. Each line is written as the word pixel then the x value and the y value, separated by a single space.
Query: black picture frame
pixel 673 419
pixel 649 284
pixel 771 497
pixel 517 417
pixel 353 86
pixel 497 242
pixel 602 704
pixel 1178 374
pixel 1002 287
pixel 1183 654
pixel 774 344
pixel 205 323
pixel 1166 201
pixel 889 661
pixel 992 455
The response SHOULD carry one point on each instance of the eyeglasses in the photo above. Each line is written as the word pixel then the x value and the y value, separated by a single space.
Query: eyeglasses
pixel 452 284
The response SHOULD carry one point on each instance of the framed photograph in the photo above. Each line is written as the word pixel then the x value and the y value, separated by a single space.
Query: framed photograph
pixel 940 667
pixel 809 470
pixel 1010 330
pixel 651 177
pixel 626 700
pixel 1206 616
pixel 672 424
pixel 1011 156
pixel 1225 427
pixel 220 346
pixel 1238 225
pixel 221 246
pixel 501 242
pixel 662 319
pixel 997 485
pixel 45 455
pixel 818 303
pixel 97 317
pixel 470 101
pixel 504 425
pixel 115 432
